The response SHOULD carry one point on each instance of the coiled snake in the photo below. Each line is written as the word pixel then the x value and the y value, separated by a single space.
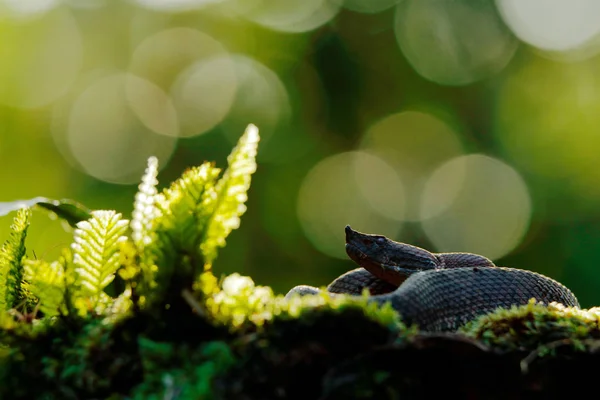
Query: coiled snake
pixel 438 292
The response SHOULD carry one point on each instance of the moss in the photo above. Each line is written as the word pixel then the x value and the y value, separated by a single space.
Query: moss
pixel 181 371
pixel 533 325
pixel 236 302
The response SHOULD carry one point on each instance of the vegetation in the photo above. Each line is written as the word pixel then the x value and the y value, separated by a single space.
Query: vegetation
pixel 133 310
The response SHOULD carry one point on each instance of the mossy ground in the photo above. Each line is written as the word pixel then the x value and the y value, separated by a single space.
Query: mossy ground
pixel 221 343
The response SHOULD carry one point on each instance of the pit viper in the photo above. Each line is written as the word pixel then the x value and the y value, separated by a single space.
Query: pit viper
pixel 436 291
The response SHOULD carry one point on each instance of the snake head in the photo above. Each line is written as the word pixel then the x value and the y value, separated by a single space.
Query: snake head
pixel 386 259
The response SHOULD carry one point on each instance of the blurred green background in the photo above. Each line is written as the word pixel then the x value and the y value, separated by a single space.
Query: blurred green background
pixel 464 125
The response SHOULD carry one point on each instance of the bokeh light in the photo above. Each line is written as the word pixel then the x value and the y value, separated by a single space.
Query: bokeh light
pixel 415 144
pixel 195 72
pixel 547 121
pixel 453 43
pixel 152 105
pixel 260 98
pixel 332 196
pixel 489 210
pixel 28 8
pixel 369 6
pixel 553 25
pixel 175 5
pixel 203 94
pixel 85 4
pixel 293 15
pixel 105 136
pixel 34 76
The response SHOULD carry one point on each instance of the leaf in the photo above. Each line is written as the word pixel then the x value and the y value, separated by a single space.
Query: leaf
pixel 231 194
pixel 186 206
pixel 144 208
pixel 11 257
pixel 179 228
pixel 67 210
pixel 46 281
pixel 96 251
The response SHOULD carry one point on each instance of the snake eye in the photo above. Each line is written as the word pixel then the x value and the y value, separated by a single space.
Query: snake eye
pixel 380 239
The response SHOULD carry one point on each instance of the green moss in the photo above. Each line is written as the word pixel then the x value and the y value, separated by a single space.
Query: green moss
pixel 180 371
pixel 236 302
pixel 529 326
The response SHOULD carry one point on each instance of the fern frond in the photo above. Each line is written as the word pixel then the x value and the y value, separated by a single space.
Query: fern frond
pixel 144 209
pixel 46 281
pixel 186 206
pixel 96 252
pixel 11 261
pixel 191 218
pixel 231 194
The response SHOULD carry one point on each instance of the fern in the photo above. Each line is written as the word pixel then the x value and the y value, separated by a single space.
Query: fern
pixel 176 233
pixel 11 261
pixel 46 281
pixel 144 210
pixel 96 252
pixel 231 195
pixel 179 230
pixel 185 206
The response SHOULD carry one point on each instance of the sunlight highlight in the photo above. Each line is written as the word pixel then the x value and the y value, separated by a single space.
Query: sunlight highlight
pixel 331 197
pixel 414 144
pixel 489 210
pixel 107 139
pixel 453 43
pixel 554 25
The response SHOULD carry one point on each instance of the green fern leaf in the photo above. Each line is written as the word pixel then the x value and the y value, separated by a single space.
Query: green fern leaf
pixel 11 261
pixel 96 252
pixel 231 195
pixel 183 216
pixel 179 230
pixel 144 208
pixel 186 205
pixel 46 281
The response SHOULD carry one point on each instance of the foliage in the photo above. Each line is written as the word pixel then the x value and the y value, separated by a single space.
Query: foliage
pixel 185 223
pixel 46 281
pixel 11 262
pixel 67 210
pixel 96 253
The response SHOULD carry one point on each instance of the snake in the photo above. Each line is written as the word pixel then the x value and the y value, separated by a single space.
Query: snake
pixel 436 291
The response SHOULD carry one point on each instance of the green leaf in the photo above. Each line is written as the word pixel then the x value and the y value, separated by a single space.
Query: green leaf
pixel 144 207
pixel 11 261
pixel 183 215
pixel 185 207
pixel 96 251
pixel 231 194
pixel 46 281
pixel 178 231
pixel 66 210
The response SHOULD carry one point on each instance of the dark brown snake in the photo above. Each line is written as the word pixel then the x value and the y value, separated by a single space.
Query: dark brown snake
pixel 438 292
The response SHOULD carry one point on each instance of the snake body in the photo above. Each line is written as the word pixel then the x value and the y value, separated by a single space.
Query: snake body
pixel 438 292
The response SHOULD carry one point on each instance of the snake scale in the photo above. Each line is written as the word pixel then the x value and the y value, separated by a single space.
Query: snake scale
pixel 436 291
